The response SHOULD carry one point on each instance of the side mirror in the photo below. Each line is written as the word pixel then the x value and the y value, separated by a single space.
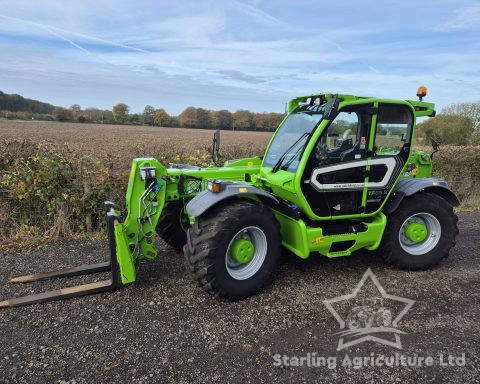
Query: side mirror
pixel 331 108
pixel 216 146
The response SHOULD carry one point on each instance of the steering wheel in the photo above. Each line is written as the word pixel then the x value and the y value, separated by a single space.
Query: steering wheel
pixel 321 153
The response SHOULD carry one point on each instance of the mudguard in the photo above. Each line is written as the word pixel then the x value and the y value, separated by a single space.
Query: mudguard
pixel 207 199
pixel 410 186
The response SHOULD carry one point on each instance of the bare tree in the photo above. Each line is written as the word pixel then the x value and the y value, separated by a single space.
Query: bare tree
pixel 470 110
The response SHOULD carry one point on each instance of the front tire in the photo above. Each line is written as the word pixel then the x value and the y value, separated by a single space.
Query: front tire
pixel 172 224
pixel 232 250
pixel 420 233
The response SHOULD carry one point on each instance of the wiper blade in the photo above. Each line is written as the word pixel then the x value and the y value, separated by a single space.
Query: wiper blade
pixel 278 164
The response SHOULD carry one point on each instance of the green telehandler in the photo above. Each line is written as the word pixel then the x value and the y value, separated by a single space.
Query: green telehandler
pixel 340 174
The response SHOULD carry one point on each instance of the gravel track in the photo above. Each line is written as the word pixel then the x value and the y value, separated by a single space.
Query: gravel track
pixel 164 329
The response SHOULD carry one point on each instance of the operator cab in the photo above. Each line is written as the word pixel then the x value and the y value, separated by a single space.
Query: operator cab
pixel 360 146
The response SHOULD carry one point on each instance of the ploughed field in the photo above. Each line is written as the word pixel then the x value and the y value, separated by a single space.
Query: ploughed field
pixel 121 143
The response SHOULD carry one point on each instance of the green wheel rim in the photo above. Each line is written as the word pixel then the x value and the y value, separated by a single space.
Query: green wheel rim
pixel 246 253
pixel 420 233
pixel 416 232
pixel 242 251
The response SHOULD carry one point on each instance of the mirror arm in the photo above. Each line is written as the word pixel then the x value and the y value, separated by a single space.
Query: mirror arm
pixel 215 146
pixel 435 146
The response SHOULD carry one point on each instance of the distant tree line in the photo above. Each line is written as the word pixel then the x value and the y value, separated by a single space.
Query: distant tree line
pixel 200 118
pixel 457 124
pixel 17 107
pixel 17 103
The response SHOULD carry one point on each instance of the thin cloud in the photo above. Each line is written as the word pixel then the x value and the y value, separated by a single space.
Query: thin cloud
pixel 257 14
pixel 464 18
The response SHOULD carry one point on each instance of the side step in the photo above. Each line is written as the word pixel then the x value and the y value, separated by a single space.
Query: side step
pixel 78 290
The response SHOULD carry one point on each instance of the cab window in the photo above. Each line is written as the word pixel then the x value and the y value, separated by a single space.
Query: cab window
pixel 394 124
pixel 346 138
pixel 342 132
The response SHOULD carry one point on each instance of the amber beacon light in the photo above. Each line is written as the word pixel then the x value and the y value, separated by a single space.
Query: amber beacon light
pixel 421 92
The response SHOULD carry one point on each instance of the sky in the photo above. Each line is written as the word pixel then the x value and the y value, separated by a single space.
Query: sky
pixel 236 54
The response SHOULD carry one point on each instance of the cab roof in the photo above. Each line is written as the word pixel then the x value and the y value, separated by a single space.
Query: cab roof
pixel 420 108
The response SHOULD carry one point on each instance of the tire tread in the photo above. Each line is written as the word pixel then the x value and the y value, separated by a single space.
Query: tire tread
pixel 207 232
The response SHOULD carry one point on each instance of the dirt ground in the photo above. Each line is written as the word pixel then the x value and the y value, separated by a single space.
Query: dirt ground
pixel 164 329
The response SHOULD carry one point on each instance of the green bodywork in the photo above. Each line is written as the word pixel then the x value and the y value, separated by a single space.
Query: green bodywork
pixel 134 236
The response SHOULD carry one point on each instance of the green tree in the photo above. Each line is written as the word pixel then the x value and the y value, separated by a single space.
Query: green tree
pixel 62 114
pixel 188 118
pixel 148 114
pixel 476 138
pixel 470 110
pixel 448 129
pixel 134 118
pixel 222 119
pixel 76 111
pixel 16 103
pixel 381 130
pixel 259 121
pixel 120 112
pixel 174 121
pixel 273 120
pixel 202 118
pixel 94 115
pixel 242 119
pixel 162 118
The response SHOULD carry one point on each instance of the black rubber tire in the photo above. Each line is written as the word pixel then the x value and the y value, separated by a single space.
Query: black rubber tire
pixel 208 240
pixel 391 249
pixel 169 227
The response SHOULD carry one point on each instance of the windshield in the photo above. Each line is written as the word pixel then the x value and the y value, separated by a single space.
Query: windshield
pixel 292 137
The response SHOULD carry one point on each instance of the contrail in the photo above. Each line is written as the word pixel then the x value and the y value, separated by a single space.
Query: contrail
pixel 257 13
pixel 51 28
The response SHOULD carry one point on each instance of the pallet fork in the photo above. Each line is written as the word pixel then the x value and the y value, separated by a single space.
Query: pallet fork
pixel 130 240
pixel 78 290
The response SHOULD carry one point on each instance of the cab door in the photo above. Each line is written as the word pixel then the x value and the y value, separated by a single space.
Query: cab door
pixel 390 149
pixel 334 178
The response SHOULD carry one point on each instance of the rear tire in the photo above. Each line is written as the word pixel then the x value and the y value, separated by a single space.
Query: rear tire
pixel 437 215
pixel 172 225
pixel 209 243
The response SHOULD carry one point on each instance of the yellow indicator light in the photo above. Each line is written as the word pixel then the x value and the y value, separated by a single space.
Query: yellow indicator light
pixel 318 240
pixel 243 190
pixel 215 188
pixel 250 163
